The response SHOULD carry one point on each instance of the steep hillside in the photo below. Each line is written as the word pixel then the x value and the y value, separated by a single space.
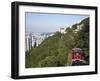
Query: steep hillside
pixel 56 50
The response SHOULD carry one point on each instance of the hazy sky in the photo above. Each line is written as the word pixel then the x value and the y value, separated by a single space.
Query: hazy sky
pixel 45 22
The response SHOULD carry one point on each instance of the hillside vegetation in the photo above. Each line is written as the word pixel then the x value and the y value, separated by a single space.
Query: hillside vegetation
pixel 55 50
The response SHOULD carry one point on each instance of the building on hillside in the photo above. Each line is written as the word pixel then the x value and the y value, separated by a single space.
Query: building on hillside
pixel 79 27
pixel 62 31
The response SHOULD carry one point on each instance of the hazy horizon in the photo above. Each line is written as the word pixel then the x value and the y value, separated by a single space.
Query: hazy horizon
pixel 46 22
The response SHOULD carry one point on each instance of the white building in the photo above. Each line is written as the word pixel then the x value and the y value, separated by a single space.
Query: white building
pixel 79 27
pixel 35 39
pixel 62 31
pixel 27 39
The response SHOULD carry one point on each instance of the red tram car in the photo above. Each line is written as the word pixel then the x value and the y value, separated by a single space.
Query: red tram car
pixel 77 56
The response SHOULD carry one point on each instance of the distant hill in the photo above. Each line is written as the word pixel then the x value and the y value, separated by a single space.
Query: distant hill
pixel 54 51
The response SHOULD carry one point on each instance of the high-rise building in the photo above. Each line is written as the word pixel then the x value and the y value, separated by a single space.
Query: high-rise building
pixel 35 39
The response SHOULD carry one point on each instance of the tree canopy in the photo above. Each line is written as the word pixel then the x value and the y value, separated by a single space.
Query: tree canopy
pixel 54 50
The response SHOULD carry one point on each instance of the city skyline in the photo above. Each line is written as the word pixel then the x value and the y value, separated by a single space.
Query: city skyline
pixel 46 22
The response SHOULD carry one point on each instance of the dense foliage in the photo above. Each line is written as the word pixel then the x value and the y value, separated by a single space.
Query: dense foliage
pixel 56 49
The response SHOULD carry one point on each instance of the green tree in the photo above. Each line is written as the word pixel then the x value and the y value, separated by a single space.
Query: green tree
pixel 49 61
pixel 54 50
